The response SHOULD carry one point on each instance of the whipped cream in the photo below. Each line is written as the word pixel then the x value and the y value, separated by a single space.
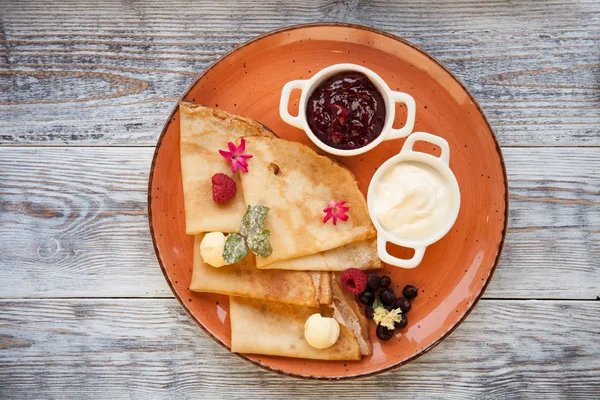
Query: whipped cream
pixel 321 332
pixel 413 201
pixel 211 249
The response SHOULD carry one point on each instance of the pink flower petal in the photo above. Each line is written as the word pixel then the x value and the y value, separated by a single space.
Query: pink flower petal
pixel 242 166
pixel 335 211
pixel 236 156
pixel 225 154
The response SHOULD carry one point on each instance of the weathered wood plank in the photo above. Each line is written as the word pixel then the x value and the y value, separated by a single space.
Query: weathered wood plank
pixel 73 223
pixel 150 349
pixel 533 66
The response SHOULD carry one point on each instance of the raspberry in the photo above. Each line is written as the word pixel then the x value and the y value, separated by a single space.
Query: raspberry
pixel 354 280
pixel 223 188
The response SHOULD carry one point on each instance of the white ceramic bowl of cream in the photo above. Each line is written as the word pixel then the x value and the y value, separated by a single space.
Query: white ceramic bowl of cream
pixel 389 96
pixel 413 200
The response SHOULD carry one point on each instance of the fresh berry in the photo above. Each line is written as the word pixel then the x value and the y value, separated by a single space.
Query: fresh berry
pixel 388 307
pixel 384 333
pixel 373 282
pixel 369 311
pixel 387 296
pixel 403 322
pixel 223 188
pixel 410 292
pixel 403 304
pixel 385 281
pixel 354 280
pixel 366 297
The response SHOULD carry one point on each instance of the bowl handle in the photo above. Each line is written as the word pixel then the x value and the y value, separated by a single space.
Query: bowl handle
pixel 395 261
pixel 411 110
pixel 427 137
pixel 285 99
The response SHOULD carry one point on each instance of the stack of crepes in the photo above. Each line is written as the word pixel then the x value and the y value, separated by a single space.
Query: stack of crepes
pixel 271 297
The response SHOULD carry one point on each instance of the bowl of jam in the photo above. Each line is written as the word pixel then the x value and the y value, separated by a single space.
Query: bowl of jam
pixel 347 109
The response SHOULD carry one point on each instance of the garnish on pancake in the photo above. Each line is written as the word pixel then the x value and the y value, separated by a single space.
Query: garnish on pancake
pixel 253 236
pixel 236 156
pixel 336 210
pixel 262 238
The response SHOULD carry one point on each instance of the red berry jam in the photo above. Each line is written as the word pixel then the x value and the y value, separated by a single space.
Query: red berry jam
pixel 346 111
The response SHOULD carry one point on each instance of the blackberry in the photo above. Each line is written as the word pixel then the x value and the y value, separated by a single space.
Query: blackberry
pixel 410 292
pixel 403 304
pixel 402 323
pixel 386 281
pixel 366 297
pixel 384 333
pixel 387 296
pixel 373 282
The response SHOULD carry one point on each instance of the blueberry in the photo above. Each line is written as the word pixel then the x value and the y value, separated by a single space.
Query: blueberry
pixel 373 282
pixel 384 333
pixel 410 292
pixel 385 281
pixel 366 297
pixel 389 307
pixel 402 323
pixel 369 311
pixel 387 296
pixel 403 304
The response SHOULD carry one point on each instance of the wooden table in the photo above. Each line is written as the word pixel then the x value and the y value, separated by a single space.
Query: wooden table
pixel 85 88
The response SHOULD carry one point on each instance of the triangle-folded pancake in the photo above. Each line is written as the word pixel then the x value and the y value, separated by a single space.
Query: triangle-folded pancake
pixel 297 184
pixel 203 132
pixel 300 288
pixel 349 313
pixel 361 255
pixel 277 329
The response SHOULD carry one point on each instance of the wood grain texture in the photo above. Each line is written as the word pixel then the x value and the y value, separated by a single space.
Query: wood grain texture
pixel 150 349
pixel 73 223
pixel 533 66
pixel 73 220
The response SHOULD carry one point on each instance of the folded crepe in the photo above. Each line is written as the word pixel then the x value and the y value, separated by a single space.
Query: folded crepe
pixel 297 184
pixel 277 329
pixel 203 132
pixel 301 288
pixel 347 312
pixel 361 255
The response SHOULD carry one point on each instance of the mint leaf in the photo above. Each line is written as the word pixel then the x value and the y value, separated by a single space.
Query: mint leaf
pixel 259 243
pixel 253 221
pixel 235 248
pixel 377 303
pixel 253 229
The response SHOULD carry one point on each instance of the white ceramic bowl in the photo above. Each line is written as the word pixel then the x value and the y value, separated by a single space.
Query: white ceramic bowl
pixel 390 97
pixel 441 165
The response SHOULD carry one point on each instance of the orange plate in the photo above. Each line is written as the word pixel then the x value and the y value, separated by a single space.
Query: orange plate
pixel 455 270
